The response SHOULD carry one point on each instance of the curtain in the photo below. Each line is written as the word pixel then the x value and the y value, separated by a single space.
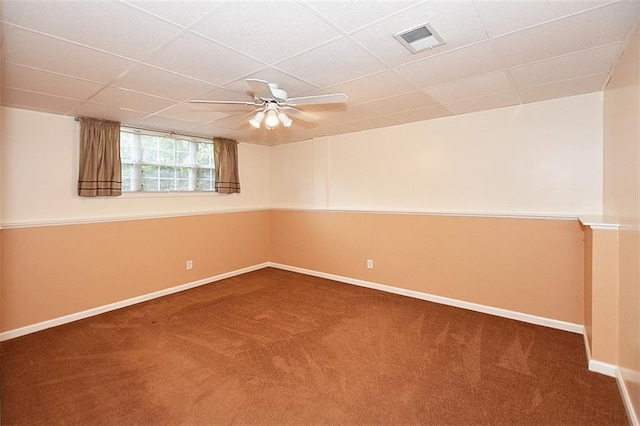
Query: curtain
pixel 100 171
pixel 226 163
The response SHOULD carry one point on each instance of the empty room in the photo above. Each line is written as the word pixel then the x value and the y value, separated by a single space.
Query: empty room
pixel 320 212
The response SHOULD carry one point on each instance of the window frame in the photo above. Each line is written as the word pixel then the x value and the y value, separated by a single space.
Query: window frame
pixel 136 163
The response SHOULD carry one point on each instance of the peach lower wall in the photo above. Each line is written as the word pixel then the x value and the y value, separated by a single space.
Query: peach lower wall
pixel 588 281
pixel 601 293
pixel 621 195
pixel 52 271
pixel 533 266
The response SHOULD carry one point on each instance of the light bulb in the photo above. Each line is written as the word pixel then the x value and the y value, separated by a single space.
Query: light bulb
pixel 272 119
pixel 284 119
pixel 257 119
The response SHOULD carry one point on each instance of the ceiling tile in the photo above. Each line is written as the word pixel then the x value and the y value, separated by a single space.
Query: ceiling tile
pixel 209 130
pixel 597 27
pixel 352 113
pixel 19 77
pixel 37 101
pixel 457 22
pixel 506 16
pixel 110 26
pixel 565 88
pixel 197 113
pixel 281 28
pixel 496 100
pixel 183 12
pixel 335 129
pixel 421 114
pixel 39 51
pixel 375 86
pixel 154 81
pixel 549 48
pixel 473 87
pixel 348 18
pixel 164 123
pixel 594 61
pixel 197 57
pixel 131 100
pixel 451 66
pixel 108 112
pixel 405 102
pixel 374 122
pixel 332 63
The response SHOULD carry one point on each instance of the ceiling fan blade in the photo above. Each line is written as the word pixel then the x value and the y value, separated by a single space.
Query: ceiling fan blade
pixel 235 121
pixel 261 89
pixel 301 115
pixel 204 101
pixel 334 98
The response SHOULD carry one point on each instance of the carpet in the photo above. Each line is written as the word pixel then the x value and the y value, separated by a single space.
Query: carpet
pixel 273 347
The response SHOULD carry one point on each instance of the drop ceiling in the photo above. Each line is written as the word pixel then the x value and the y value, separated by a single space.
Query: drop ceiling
pixel 140 62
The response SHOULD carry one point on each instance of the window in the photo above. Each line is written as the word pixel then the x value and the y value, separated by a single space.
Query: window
pixel 158 163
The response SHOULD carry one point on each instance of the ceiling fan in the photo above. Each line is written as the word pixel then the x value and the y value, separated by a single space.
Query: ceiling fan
pixel 273 105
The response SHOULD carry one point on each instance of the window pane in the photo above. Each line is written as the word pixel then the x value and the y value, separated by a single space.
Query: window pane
pixel 167 144
pixel 182 172
pixel 204 154
pixel 126 146
pixel 126 170
pixel 182 184
pixel 183 158
pixel 205 173
pixel 204 185
pixel 149 148
pixel 167 184
pixel 169 163
pixel 167 172
pixel 166 157
pixel 150 171
pixel 149 184
pixel 182 145
pixel 126 177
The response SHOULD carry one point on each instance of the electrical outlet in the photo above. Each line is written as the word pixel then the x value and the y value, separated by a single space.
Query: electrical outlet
pixel 369 264
pixel 189 264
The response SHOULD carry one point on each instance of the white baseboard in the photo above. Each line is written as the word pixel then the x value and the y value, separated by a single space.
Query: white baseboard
pixel 622 375
pixel 602 368
pixel 123 303
pixel 595 365
pixel 532 319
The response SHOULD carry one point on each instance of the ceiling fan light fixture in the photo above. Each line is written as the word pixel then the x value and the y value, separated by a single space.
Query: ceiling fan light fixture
pixel 271 119
pixel 284 119
pixel 257 119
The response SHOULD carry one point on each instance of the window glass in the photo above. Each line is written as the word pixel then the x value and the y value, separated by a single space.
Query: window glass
pixel 153 163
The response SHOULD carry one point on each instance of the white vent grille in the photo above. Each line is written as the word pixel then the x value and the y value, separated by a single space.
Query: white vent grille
pixel 419 38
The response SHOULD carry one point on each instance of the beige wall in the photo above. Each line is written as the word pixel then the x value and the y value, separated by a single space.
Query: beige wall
pixel 621 202
pixel 542 159
pixel 533 266
pixel 40 178
pixel 52 271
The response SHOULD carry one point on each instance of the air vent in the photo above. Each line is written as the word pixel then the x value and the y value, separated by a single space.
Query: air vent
pixel 419 38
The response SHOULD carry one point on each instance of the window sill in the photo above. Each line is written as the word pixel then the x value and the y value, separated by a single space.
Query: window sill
pixel 167 194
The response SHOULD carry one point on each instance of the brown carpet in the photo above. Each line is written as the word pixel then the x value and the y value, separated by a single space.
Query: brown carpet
pixel 275 347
